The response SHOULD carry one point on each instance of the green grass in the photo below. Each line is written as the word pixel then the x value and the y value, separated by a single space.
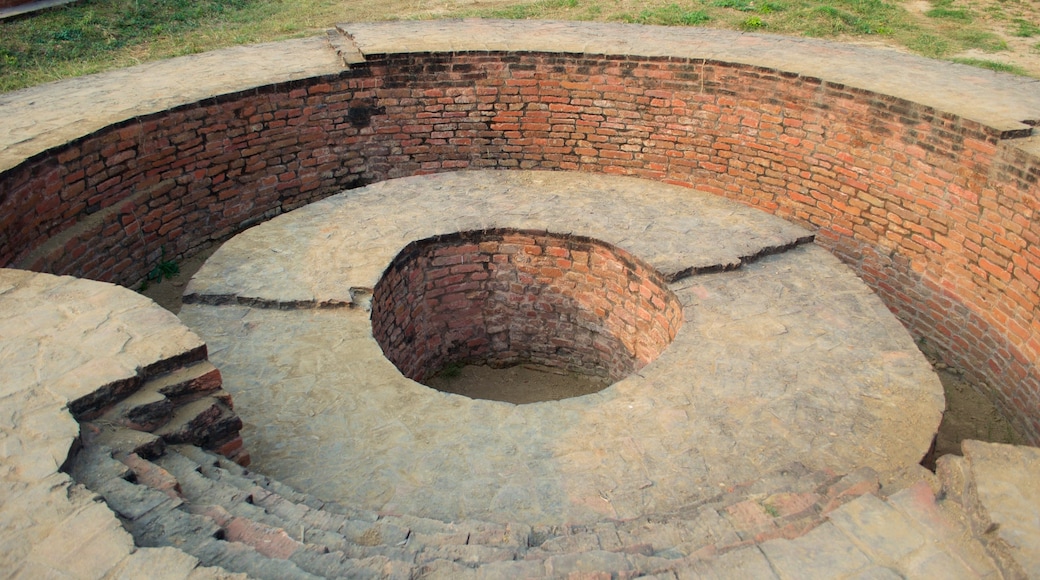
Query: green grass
pixel 957 14
pixel 81 37
pixel 1025 29
pixel 752 23
pixel 672 15
pixel 980 39
pixel 94 35
pixel 989 64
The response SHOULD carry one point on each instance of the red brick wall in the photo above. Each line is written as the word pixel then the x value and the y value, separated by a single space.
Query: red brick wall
pixel 505 297
pixel 934 211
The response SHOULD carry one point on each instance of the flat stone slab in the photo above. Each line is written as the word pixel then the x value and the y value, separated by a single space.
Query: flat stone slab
pixel 674 229
pixel 1007 488
pixel 789 358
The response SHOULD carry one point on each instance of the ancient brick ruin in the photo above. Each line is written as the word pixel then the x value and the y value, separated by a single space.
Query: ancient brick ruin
pixel 931 200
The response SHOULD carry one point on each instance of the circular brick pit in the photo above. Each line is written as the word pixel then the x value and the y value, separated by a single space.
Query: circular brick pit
pixel 929 199
pixel 504 297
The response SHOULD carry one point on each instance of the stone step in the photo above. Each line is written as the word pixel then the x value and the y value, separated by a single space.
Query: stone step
pixel 206 459
pixel 807 525
pixel 274 543
pixel 1001 499
pixel 145 410
pixel 152 405
pixel 186 383
pixel 96 403
pixel 370 531
pixel 121 440
pixel 201 537
pixel 944 523
pixel 240 522
pixel 153 512
pixel 207 486
pixel 93 465
pixel 785 504
pixel 424 541
pixel 208 422
pixel 356 525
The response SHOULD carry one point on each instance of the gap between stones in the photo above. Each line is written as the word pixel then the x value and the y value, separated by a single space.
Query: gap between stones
pixel 361 297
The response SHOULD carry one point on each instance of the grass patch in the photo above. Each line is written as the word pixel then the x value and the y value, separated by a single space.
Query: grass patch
pixel 980 39
pixel 930 45
pixel 451 370
pixel 672 15
pixel 990 64
pixel 958 14
pixel 80 37
pixel 94 35
pixel 752 23
pixel 749 6
pixel 843 18
pixel 1025 29
pixel 540 9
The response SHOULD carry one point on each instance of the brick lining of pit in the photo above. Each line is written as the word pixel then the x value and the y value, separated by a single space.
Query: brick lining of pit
pixel 505 297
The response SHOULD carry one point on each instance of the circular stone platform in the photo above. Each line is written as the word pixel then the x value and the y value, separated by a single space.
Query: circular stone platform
pixel 786 358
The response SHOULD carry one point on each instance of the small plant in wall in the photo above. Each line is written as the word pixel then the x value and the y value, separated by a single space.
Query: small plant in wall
pixel 164 269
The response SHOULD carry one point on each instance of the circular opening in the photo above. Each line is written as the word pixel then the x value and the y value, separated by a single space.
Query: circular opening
pixel 503 298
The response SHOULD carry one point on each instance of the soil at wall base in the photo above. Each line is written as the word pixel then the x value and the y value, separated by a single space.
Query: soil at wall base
pixel 968 415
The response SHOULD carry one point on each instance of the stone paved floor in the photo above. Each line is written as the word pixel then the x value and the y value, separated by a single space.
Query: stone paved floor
pixel 789 358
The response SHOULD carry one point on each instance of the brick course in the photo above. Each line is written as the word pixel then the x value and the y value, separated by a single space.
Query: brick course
pixel 935 212
pixel 503 297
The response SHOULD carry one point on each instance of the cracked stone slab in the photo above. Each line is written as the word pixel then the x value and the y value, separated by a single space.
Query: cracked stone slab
pixel 789 358
pixel 318 253
pixel 1006 505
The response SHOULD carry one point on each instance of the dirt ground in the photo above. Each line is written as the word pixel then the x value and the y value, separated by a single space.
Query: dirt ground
pixel 1002 18
pixel 520 384
pixel 969 415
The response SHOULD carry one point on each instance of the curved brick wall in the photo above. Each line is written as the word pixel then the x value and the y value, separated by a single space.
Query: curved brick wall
pixel 509 297
pixel 934 211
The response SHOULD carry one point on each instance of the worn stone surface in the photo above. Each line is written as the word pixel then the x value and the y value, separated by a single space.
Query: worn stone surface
pixel 790 358
pixel 326 251
pixel 65 341
pixel 1005 504
pixel 822 553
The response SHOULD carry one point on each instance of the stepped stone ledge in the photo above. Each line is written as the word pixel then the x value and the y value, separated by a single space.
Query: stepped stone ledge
pixel 87 364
